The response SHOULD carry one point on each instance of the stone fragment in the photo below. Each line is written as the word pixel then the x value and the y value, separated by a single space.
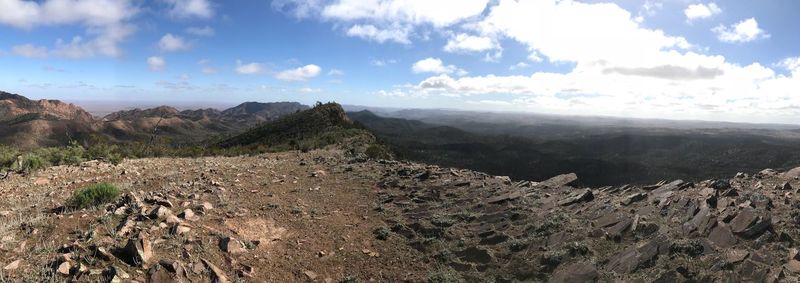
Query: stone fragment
pixel 13 265
pixel 748 223
pixel 633 198
pixel 137 251
pixel 721 236
pixel 577 197
pixel 231 245
pixel 218 274
pixel 64 268
pixel 576 272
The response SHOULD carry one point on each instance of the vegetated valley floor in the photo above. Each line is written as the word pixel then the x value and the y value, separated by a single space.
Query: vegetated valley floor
pixel 323 216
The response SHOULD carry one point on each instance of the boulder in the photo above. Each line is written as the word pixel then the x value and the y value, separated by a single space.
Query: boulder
pixel 749 223
pixel 721 236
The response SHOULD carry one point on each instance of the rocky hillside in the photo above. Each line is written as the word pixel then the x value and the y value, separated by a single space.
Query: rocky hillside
pixel 329 216
pixel 27 123
pixel 325 124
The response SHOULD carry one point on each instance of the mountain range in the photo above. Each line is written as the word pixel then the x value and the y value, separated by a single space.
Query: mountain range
pixel 28 124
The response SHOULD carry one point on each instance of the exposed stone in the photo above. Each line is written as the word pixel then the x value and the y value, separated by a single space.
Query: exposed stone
pixel 137 252
pixel 64 268
pixel 231 245
pixel 748 223
pixel 582 196
pixel 576 272
pixel 13 265
pixel 218 274
pixel 159 211
pixel 721 236
pixel 633 198
pixel 188 214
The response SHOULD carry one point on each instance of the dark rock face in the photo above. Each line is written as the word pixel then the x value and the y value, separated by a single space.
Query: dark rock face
pixel 552 232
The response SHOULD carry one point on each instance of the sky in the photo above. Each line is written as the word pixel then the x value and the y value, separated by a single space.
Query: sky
pixel 676 59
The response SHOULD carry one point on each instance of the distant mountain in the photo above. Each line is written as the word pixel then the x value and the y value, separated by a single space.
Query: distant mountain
pixel 323 125
pixel 26 123
pixel 249 111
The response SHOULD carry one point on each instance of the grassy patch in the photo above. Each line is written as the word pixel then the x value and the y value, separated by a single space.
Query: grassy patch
pixel 93 195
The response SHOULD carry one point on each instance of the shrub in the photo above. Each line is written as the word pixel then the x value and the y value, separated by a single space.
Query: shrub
pixel 32 162
pixel 381 233
pixel 377 151
pixel 93 195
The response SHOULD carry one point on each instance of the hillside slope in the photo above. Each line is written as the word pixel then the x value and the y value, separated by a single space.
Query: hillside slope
pixel 603 158
pixel 27 124
pixel 324 216
pixel 322 125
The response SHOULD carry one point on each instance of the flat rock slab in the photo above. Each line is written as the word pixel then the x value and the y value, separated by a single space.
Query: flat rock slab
pixel 576 272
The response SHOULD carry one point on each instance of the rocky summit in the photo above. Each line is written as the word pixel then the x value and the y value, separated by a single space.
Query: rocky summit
pixel 331 216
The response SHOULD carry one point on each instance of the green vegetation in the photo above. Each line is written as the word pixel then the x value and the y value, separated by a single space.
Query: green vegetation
pixel 93 195
pixel 444 275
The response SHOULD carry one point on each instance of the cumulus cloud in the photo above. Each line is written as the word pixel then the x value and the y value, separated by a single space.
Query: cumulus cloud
pixel 170 43
pixel 518 66
pixel 435 65
pixel 385 20
pixel 393 33
pixel 30 51
pixel 248 69
pixel 156 63
pixel 106 23
pixel 299 74
pixel 744 31
pixel 201 31
pixel 464 43
pixel 335 72
pixel 190 8
pixel 654 73
pixel 701 11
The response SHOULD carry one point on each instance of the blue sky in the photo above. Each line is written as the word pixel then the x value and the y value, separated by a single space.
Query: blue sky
pixel 732 60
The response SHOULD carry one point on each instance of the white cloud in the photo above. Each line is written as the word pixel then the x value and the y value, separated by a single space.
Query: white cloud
pixel 299 74
pixel 248 69
pixel 309 90
pixel 106 23
pixel 437 13
pixel 654 74
pixel 170 43
pixel 744 31
pixel 382 63
pixel 201 31
pixel 30 51
pixel 435 65
pixel 156 63
pixel 394 33
pixel 335 72
pixel 385 20
pixel 464 43
pixel 562 31
pixel 518 66
pixel 701 11
pixel 190 8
